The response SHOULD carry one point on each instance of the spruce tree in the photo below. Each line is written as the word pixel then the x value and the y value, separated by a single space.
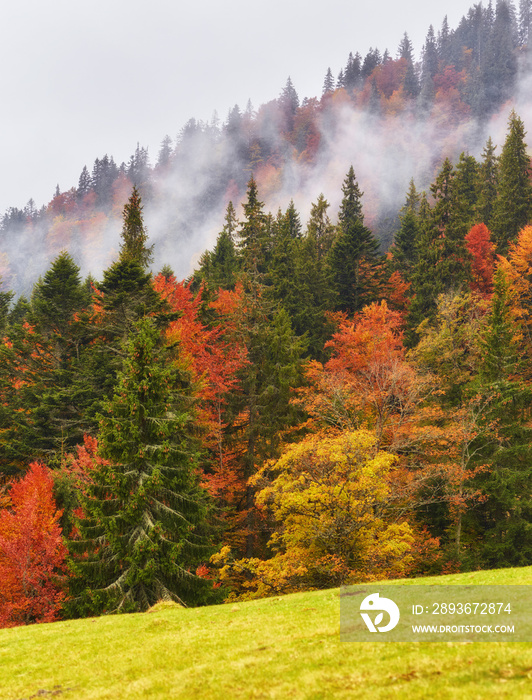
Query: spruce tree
pixel 254 242
pixel 354 253
pixel 141 533
pixel 219 267
pixel 503 518
pixel 328 83
pixel 487 185
pixel 45 416
pixel 513 206
pixel 134 237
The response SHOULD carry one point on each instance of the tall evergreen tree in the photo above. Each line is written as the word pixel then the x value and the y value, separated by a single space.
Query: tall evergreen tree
pixel 487 185
pixel 328 83
pixel 254 243
pixel 428 70
pixel 134 237
pixel 219 267
pixel 502 521
pixel 513 206
pixel 354 253
pixel 141 534
pixel 352 72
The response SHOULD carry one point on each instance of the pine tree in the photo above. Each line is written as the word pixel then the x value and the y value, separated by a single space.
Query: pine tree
pixel 429 70
pixel 84 183
pixel 405 245
pixel 319 227
pixel 219 268
pixel 254 242
pixel 525 21
pixel 487 185
pixel 502 520
pixel 133 247
pixel 352 72
pixel 42 359
pixel 499 67
pixel 145 512
pixel 289 103
pixel 513 206
pixel 328 83
pixel 354 253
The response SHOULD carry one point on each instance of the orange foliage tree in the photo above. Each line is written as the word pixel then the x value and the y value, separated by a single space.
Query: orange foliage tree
pixel 482 251
pixel 32 552
pixel 213 354
pixel 368 382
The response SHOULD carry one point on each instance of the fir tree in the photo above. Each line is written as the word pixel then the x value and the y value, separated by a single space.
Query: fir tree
pixel 487 185
pixel 354 253
pixel 145 511
pixel 328 83
pixel 133 247
pixel 254 242
pixel 503 518
pixel 513 206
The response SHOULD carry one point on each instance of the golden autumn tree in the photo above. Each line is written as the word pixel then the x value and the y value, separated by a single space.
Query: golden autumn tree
pixel 330 498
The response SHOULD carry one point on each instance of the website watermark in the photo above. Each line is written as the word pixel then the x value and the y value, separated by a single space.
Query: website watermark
pixel 435 613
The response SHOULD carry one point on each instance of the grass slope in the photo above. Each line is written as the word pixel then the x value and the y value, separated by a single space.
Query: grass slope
pixel 286 647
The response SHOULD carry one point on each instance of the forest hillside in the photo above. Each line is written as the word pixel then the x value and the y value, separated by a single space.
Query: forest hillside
pixel 339 388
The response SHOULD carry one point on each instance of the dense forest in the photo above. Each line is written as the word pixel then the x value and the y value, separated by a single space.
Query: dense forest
pixel 330 397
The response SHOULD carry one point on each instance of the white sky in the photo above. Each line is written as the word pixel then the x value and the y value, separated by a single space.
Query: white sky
pixel 81 79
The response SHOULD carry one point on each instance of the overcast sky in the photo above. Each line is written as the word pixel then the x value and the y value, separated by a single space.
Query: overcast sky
pixel 80 79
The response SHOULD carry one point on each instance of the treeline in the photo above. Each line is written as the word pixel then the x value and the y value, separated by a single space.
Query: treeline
pixel 304 411
pixel 474 66
pixel 463 75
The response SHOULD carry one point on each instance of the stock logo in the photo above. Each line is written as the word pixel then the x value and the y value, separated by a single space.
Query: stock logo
pixel 380 605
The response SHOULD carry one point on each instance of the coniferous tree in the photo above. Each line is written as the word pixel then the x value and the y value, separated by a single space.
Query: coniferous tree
pixel 319 227
pixel 502 520
pixel 42 359
pixel 84 183
pixel 487 185
pixel 525 21
pixel 134 237
pixel 499 67
pixel 513 206
pixel 328 83
pixel 141 534
pixel 262 409
pixel 219 267
pixel 354 253
pixel 352 72
pixel 254 240
pixel 289 103
pixel 429 70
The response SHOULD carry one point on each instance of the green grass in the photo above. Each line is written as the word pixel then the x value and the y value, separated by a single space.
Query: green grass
pixel 286 647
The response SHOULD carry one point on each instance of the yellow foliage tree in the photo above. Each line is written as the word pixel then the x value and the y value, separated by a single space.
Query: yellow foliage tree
pixel 330 496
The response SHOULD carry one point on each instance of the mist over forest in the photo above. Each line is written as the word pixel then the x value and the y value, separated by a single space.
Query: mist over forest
pixel 392 115
pixel 292 352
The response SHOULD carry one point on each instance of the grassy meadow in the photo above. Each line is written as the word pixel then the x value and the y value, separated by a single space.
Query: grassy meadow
pixel 283 647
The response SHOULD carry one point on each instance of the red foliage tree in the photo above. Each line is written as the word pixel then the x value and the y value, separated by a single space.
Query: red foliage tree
pixel 32 552
pixel 482 251
pixel 212 354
